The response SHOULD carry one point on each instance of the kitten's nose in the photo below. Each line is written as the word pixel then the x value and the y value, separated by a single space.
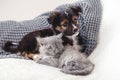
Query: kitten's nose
pixel 40 58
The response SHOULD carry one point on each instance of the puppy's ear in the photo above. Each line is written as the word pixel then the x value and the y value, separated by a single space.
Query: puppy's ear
pixel 77 10
pixel 52 17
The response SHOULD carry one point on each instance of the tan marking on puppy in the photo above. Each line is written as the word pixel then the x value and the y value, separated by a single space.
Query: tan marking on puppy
pixel 64 22
pixel 63 28
pixel 32 56
pixel 58 28
pixel 36 57
pixel 75 20
pixel 63 25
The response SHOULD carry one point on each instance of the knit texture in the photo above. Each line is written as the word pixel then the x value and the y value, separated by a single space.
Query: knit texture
pixel 90 20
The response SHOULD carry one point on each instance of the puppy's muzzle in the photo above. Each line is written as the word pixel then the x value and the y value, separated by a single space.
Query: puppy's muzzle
pixel 75 28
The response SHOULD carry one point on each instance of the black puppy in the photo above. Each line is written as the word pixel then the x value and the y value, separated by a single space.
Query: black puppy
pixel 64 21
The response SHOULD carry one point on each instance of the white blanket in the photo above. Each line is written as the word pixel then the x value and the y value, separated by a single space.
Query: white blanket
pixel 106 56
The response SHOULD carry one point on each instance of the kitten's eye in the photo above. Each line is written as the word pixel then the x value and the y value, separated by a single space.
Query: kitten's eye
pixel 50 47
pixel 41 44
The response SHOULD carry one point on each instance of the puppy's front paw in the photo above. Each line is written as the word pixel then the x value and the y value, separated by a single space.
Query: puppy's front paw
pixel 78 67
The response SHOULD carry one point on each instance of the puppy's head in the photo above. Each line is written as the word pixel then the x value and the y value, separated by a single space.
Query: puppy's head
pixel 65 21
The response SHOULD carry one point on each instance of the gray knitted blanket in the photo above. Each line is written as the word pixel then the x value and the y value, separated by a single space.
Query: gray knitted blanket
pixel 90 21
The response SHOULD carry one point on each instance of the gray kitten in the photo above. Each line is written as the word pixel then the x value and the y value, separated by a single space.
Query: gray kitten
pixel 50 50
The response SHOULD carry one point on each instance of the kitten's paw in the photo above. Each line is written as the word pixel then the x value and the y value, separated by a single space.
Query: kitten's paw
pixel 49 61
pixel 78 67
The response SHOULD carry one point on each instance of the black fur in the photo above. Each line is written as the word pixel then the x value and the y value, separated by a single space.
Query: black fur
pixel 67 41
pixel 10 47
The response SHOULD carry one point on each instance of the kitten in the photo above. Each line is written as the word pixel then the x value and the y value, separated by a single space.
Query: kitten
pixel 50 50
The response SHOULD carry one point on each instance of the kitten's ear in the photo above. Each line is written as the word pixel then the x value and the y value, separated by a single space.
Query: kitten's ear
pixel 69 37
pixel 60 35
pixel 39 41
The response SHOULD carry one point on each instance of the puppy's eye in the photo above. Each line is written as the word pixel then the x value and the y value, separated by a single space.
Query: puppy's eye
pixel 65 24
pixel 75 19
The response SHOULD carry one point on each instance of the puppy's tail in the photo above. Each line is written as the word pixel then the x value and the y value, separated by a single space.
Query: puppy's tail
pixel 9 46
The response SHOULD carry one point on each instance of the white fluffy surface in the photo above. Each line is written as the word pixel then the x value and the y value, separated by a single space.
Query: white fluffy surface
pixel 106 56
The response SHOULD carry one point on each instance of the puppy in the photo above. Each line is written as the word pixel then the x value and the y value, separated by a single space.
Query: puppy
pixel 64 21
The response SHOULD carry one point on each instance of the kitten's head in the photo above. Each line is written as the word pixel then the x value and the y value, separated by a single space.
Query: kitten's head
pixel 51 45
pixel 50 49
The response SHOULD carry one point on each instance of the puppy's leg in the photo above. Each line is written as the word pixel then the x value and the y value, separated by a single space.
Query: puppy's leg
pixel 32 56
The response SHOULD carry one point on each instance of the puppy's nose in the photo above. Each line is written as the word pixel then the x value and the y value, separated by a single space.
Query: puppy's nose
pixel 75 30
